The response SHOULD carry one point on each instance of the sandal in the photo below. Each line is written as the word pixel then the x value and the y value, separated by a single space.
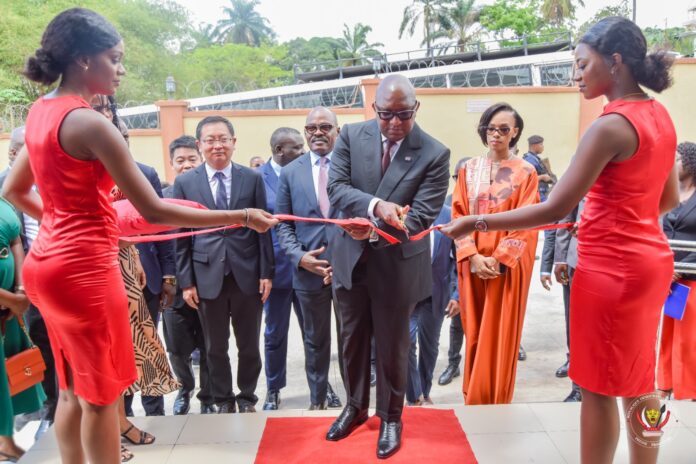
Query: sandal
pixel 8 457
pixel 145 438
pixel 126 454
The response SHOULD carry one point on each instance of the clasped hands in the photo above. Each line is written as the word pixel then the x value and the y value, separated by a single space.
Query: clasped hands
pixel 485 267
pixel 389 212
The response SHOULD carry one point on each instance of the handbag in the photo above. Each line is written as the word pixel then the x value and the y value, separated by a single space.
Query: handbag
pixel 26 368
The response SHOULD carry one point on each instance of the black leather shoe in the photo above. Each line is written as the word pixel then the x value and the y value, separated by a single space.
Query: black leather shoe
pixel 246 407
pixel 349 419
pixel 562 371
pixel 332 399
pixel 451 372
pixel 522 355
pixel 389 440
pixel 227 408
pixel 44 425
pixel 574 397
pixel 182 403
pixel 317 407
pixel 272 400
pixel 373 375
pixel 208 408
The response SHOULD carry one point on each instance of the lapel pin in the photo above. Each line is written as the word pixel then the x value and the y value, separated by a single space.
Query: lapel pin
pixel 408 158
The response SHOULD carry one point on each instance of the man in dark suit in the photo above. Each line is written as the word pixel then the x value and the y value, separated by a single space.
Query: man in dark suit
pixel 182 326
pixel 426 320
pixel 303 192
pixel 226 275
pixel 286 146
pixel 378 169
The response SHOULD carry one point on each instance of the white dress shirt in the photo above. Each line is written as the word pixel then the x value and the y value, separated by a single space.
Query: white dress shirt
pixel 316 160
pixel 276 167
pixel 394 150
pixel 213 182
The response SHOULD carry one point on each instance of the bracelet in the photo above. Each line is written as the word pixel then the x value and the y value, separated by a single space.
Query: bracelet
pixel 246 217
pixel 20 288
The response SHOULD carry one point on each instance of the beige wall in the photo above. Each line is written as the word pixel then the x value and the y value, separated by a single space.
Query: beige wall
pixel 147 149
pixel 4 148
pixel 680 100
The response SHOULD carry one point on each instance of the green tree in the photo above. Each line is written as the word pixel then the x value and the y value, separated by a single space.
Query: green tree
pixel 316 49
pixel 559 12
pixel 669 39
pixel 430 14
pixel 621 9
pixel 243 24
pixel 354 44
pixel 460 22
pixel 511 17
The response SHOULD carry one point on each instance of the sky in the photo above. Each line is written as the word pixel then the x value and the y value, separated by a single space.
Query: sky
pixel 310 18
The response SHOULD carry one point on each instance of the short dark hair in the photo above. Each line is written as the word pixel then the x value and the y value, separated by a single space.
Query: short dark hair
pixel 280 133
pixel 185 141
pixel 213 120
pixel 492 111
pixel 687 152
pixel 534 139
pixel 73 33
pixel 616 34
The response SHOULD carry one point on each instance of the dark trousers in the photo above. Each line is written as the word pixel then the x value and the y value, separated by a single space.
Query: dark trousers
pixel 275 336
pixel 566 304
pixel 425 331
pixel 244 313
pixel 316 313
pixel 361 317
pixel 39 335
pixel 183 334
pixel 456 340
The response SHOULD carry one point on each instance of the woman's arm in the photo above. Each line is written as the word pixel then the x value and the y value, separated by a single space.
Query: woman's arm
pixel 17 188
pixel 18 254
pixel 670 195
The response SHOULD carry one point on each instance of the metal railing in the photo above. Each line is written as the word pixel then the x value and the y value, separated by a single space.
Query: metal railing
pixel 683 245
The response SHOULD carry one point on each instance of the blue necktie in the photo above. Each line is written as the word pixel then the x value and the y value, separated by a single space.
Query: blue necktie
pixel 221 194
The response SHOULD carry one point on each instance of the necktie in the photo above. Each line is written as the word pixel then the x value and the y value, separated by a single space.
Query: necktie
pixel 386 157
pixel 221 193
pixel 323 184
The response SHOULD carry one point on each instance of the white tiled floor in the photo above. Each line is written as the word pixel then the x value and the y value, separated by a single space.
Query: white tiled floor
pixel 509 434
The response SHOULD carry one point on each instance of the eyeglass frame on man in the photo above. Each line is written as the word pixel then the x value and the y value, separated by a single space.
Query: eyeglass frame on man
pixel 403 115
pixel 222 141
pixel 324 128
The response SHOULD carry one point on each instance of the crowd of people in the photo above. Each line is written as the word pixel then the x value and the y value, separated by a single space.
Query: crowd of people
pixel 92 302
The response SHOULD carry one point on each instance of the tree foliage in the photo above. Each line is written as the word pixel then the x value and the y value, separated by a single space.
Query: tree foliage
pixel 429 14
pixel 243 24
pixel 354 43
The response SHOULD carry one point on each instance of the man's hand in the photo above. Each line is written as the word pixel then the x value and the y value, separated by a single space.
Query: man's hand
pixel 392 214
pixel 167 295
pixel 191 297
pixel 574 229
pixel 311 263
pixel 265 286
pixel 545 178
pixel 328 278
pixel 546 281
pixel 485 267
pixel 358 232
pixel 561 273
pixel 452 308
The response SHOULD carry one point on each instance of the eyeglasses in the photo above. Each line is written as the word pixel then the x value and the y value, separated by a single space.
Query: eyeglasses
pixel 403 115
pixel 312 128
pixel 221 140
pixel 501 130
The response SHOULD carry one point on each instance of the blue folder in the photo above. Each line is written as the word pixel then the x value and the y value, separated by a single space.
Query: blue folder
pixel 676 301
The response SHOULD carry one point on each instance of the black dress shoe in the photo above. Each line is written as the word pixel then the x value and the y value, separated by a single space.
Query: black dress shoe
pixel 227 408
pixel 389 440
pixel 522 355
pixel 574 397
pixel 182 403
pixel 272 400
pixel 451 372
pixel 246 407
pixel 562 371
pixel 349 419
pixel 373 375
pixel 208 408
pixel 332 399
pixel 44 425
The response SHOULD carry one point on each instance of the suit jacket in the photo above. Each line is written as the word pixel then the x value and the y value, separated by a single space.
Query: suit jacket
pixel 201 259
pixel 296 195
pixel 168 192
pixel 566 250
pixel 680 224
pixel 417 176
pixel 157 258
pixel 443 266
pixel 547 255
pixel 283 266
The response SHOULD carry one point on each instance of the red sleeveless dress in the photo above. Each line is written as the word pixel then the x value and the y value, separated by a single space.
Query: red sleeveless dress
pixel 71 273
pixel 625 265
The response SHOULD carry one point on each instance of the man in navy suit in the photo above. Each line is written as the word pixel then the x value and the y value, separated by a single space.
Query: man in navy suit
pixel 226 275
pixel 426 319
pixel 302 191
pixel 286 146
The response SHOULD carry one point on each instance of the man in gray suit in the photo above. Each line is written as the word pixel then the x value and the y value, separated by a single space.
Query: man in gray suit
pixel 226 275
pixel 302 191
pixel 380 168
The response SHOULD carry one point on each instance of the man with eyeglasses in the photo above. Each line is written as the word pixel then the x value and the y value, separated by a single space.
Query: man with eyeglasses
pixel 390 171
pixel 302 191
pixel 226 275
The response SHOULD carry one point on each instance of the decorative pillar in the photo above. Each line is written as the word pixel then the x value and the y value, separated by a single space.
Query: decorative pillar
pixel 369 87
pixel 171 116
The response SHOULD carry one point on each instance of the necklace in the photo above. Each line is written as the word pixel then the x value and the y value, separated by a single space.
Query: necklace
pixel 634 94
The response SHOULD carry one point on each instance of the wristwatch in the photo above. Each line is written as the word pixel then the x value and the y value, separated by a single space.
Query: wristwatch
pixel 481 225
pixel 171 280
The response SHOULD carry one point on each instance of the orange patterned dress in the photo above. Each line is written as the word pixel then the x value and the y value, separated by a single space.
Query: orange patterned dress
pixel 494 308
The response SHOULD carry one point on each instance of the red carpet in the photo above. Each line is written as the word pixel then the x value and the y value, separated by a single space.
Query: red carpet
pixel 430 436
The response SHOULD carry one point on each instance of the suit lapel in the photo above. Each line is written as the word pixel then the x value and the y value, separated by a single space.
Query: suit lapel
pixel 403 160
pixel 237 184
pixel 270 176
pixel 684 213
pixel 307 181
pixel 371 150
pixel 204 187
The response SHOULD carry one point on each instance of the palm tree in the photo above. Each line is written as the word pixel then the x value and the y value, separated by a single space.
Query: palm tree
pixel 243 25
pixel 430 12
pixel 459 23
pixel 557 11
pixel 354 44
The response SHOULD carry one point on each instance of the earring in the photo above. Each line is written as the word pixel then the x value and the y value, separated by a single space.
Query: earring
pixel 86 68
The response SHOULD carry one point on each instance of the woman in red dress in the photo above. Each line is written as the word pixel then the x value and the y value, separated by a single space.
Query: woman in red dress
pixel 72 272
pixel 624 262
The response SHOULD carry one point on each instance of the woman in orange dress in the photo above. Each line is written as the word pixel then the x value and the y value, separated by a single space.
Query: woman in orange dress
pixel 624 163
pixel 494 269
